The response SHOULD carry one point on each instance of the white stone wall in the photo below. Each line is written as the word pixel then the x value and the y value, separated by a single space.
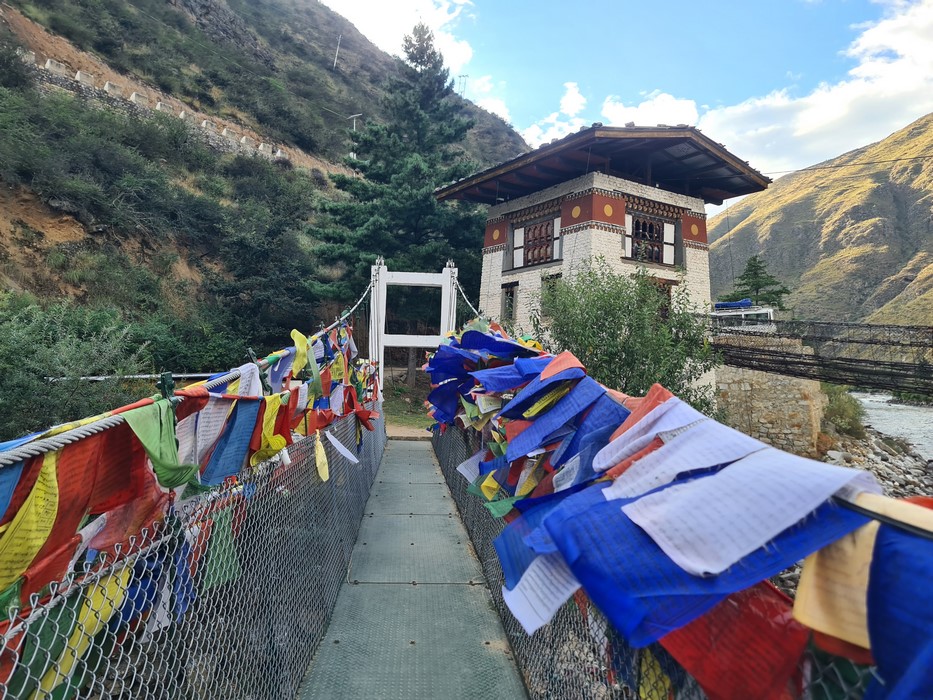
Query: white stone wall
pixel 528 293
pixel 490 285
pixel 696 275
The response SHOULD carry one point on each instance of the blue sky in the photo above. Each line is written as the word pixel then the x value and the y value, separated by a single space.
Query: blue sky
pixel 782 83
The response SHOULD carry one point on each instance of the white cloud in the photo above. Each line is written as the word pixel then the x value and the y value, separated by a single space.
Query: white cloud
pixel 386 23
pixel 890 86
pixel 657 108
pixel 573 102
pixel 560 123
pixel 553 126
pixel 496 105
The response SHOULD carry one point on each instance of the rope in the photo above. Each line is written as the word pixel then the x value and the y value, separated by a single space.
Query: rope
pixel 57 442
pixel 467 300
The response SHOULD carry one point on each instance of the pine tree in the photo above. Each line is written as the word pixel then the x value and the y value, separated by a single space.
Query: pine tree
pixel 759 285
pixel 391 210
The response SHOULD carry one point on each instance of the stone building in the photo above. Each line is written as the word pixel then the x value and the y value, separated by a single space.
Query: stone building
pixel 631 195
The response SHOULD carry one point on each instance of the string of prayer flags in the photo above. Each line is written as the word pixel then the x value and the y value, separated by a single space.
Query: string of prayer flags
pixel 154 426
pixel 230 453
pixel 900 620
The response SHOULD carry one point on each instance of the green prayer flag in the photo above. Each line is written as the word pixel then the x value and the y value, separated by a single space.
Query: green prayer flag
pixel 502 506
pixel 223 566
pixel 43 646
pixel 154 426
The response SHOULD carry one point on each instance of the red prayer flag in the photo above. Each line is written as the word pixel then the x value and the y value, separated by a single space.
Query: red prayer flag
pixel 748 646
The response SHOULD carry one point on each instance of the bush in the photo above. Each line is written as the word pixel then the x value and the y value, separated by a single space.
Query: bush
pixel 13 72
pixel 843 411
pixel 44 352
pixel 628 333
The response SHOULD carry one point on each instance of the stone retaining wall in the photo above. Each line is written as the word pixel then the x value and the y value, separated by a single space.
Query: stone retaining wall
pixel 782 411
pixel 55 77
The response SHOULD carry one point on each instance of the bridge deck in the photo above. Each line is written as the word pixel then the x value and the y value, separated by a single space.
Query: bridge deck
pixel 415 620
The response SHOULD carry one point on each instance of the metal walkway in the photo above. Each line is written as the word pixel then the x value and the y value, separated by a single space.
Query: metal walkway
pixel 415 619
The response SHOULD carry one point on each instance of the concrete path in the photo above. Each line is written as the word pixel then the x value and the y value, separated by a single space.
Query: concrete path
pixel 416 620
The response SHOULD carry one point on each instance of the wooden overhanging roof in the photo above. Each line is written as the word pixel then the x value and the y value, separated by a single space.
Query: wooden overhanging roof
pixel 675 158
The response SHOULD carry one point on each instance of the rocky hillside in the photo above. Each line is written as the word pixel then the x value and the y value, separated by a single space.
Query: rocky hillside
pixel 266 67
pixel 851 237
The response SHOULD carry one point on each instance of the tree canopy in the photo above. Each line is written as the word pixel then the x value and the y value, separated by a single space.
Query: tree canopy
pixel 629 332
pixel 759 285
pixel 391 210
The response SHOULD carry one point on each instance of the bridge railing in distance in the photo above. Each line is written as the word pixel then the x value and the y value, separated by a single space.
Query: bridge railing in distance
pixel 579 655
pixel 229 597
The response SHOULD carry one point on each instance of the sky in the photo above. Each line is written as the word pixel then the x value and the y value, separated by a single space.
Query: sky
pixel 782 84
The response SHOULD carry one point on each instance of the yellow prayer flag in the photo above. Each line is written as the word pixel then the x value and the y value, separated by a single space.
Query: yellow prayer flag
pixel 301 351
pixel 320 458
pixel 270 444
pixel 31 526
pixel 548 400
pixel 653 682
pixel 490 487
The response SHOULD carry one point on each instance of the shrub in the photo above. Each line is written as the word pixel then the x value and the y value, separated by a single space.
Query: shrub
pixel 44 352
pixel 628 333
pixel 843 411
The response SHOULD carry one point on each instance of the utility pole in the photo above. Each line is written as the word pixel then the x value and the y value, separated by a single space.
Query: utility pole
pixel 337 52
pixel 354 117
pixel 462 78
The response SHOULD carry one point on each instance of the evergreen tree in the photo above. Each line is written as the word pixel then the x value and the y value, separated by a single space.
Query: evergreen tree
pixel 391 210
pixel 759 285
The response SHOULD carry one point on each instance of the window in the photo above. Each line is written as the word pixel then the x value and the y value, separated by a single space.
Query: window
pixel 509 293
pixel 649 239
pixel 548 287
pixel 535 244
pixel 539 243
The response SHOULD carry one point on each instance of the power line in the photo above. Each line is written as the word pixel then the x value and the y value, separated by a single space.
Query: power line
pixel 850 165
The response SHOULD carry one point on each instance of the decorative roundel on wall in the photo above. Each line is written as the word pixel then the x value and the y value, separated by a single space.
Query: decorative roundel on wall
pixel 495 234
pixel 694 230
pixel 608 210
pixel 575 213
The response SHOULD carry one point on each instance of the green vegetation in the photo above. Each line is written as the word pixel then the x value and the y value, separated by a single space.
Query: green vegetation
pixel 404 406
pixel 759 285
pixel 628 333
pixel 243 224
pixel 392 210
pixel 843 411
pixel 158 43
pixel 64 342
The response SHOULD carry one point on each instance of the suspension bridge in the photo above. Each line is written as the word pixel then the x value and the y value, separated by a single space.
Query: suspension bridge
pixel 883 357
pixel 256 535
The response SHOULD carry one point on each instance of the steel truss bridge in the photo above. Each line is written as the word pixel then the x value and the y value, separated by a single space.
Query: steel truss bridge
pixel 889 358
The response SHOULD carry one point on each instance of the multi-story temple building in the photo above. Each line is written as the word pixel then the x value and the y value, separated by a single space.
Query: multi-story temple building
pixel 631 195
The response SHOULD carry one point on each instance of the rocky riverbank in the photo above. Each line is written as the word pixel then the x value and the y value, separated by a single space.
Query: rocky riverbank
pixel 899 468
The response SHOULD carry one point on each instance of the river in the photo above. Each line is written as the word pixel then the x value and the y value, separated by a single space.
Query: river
pixel 913 423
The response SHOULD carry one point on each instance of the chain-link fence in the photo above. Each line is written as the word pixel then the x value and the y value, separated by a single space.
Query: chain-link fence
pixel 579 655
pixel 229 597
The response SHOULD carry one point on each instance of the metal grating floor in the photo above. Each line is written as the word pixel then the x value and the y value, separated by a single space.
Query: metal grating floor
pixel 416 620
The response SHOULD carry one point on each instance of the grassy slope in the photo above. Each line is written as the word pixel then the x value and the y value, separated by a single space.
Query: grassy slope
pixel 852 243
pixel 265 65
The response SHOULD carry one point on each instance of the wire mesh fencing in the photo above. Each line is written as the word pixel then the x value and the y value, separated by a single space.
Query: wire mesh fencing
pixel 228 597
pixel 580 655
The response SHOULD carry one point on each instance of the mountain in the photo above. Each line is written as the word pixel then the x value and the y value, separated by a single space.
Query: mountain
pixel 195 234
pixel 851 237
pixel 271 66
